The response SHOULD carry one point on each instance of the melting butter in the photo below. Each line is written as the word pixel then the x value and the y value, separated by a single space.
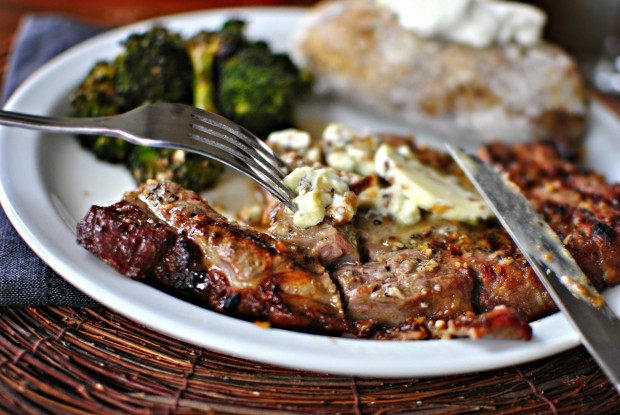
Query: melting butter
pixel 320 193
pixel 414 186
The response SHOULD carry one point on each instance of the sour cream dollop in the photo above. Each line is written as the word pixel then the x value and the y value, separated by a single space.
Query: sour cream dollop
pixel 476 23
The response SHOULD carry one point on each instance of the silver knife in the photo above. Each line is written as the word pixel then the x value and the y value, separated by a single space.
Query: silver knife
pixel 587 311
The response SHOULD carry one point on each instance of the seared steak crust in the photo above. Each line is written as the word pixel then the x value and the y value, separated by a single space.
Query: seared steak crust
pixel 577 203
pixel 438 269
pixel 169 237
pixel 500 323
pixel 373 277
pixel 124 237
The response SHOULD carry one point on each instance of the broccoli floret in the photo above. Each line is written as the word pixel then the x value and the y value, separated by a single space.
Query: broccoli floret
pixel 187 169
pixel 243 79
pixel 220 71
pixel 258 89
pixel 154 67
pixel 97 96
pixel 205 48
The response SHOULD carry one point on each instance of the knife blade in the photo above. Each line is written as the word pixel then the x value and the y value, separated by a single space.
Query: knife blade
pixel 587 311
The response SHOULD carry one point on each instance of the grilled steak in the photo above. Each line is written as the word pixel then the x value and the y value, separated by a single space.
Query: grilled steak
pixel 578 204
pixel 169 237
pixel 437 269
pixel 374 277
pixel 330 245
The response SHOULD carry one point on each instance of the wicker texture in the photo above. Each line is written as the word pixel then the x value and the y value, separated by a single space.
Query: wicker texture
pixel 84 361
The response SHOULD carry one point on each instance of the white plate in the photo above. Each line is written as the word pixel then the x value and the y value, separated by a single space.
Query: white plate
pixel 47 183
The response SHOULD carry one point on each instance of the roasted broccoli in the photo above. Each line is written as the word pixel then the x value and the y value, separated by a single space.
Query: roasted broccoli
pixel 258 89
pixel 154 67
pixel 187 169
pixel 221 71
pixel 97 96
pixel 243 79
pixel 205 48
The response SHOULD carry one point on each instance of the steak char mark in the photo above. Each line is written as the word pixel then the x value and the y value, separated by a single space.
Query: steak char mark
pixel 577 203
pixel 168 237
pixel 373 277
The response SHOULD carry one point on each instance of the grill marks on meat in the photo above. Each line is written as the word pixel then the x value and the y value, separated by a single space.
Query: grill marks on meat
pixel 578 204
pixel 440 270
pixel 433 279
pixel 169 237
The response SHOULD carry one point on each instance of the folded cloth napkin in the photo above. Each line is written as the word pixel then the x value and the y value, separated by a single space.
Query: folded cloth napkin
pixel 25 280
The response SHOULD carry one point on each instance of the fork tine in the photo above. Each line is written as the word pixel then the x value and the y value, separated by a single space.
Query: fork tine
pixel 228 139
pixel 246 149
pixel 234 150
pixel 240 134
pixel 228 154
pixel 238 131
pixel 255 158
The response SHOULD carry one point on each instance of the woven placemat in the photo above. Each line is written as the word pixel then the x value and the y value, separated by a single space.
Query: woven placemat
pixel 94 361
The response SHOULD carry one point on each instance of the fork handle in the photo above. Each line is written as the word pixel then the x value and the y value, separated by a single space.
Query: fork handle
pixel 91 126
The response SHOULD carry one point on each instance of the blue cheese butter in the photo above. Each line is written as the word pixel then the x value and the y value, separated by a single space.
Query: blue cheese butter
pixel 348 150
pixel 296 141
pixel 320 193
pixel 414 186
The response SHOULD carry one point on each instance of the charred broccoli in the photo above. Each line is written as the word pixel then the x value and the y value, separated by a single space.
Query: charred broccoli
pixel 258 89
pixel 221 71
pixel 187 169
pixel 205 48
pixel 154 67
pixel 243 79
pixel 97 96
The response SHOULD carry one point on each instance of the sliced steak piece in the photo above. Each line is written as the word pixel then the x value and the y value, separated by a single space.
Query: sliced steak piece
pixel 499 323
pixel 331 245
pixel 406 284
pixel 440 269
pixel 171 238
pixel 577 203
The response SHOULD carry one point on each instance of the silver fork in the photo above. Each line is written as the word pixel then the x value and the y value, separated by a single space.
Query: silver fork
pixel 177 126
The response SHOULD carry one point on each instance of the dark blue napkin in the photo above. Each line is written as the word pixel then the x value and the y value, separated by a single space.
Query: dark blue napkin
pixel 25 280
